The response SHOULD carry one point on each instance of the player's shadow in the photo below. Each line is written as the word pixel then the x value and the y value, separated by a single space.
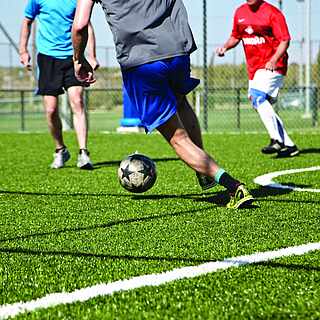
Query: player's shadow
pixel 115 163
pixel 101 256
pixel 61 194
pixel 221 198
pixel 292 267
pixel 310 150
pixel 218 198
pixel 107 224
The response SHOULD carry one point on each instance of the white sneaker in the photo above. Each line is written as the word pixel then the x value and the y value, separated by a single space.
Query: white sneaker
pixel 84 161
pixel 60 158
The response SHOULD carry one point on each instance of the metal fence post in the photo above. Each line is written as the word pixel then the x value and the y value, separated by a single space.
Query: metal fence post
pixel 238 107
pixel 22 115
pixel 205 68
pixel 315 106
pixel 86 107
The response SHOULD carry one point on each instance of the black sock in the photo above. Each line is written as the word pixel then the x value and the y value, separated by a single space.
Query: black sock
pixel 229 183
pixel 61 149
pixel 84 150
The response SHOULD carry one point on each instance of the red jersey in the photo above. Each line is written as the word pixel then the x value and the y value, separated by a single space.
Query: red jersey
pixel 261 32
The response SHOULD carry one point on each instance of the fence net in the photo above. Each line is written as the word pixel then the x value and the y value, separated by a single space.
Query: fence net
pixel 228 108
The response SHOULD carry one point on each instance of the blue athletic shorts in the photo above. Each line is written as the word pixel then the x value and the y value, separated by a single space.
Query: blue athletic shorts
pixel 152 89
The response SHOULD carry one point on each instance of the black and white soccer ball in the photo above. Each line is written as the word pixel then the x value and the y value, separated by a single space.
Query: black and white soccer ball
pixel 137 173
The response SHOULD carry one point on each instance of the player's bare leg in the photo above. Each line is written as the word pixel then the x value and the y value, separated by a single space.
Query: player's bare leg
pixel 189 120
pixel 61 155
pixel 191 123
pixel 174 132
pixel 81 125
pixel 79 115
pixel 53 119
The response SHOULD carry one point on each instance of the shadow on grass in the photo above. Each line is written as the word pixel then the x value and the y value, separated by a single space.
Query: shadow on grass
pixel 108 224
pixel 302 151
pixel 101 256
pixel 309 150
pixel 219 198
pixel 296 185
pixel 296 267
pixel 264 194
pixel 115 163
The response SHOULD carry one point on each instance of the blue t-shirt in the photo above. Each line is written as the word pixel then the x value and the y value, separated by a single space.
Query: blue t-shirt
pixel 55 18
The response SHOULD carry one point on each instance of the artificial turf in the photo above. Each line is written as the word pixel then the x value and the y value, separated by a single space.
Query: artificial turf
pixel 67 229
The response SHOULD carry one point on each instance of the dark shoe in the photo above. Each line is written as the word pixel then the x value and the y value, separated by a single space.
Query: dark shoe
pixel 205 182
pixel 287 152
pixel 274 147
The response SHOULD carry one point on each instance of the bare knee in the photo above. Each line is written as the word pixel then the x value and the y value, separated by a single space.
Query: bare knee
pixel 52 112
pixel 77 105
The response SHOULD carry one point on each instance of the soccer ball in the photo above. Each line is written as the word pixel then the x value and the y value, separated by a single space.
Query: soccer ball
pixel 137 173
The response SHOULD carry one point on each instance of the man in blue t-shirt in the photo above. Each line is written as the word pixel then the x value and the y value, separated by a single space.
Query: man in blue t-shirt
pixel 153 43
pixel 56 70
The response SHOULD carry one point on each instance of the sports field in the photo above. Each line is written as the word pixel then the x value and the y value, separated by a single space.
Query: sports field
pixel 109 254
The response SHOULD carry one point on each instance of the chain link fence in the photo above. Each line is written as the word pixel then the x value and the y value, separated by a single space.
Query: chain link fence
pixel 228 108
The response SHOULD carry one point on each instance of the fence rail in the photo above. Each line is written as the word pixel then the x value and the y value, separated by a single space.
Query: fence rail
pixel 228 109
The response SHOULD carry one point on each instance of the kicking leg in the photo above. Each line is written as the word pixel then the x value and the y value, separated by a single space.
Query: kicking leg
pixel 191 124
pixel 196 158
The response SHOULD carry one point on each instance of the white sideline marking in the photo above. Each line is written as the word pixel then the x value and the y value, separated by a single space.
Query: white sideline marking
pixel 54 299
pixel 266 179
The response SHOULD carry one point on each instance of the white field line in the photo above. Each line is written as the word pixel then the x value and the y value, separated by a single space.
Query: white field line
pixel 266 179
pixel 104 289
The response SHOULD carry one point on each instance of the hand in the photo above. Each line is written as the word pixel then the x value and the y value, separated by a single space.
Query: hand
pixel 84 72
pixel 271 65
pixel 94 63
pixel 25 60
pixel 221 51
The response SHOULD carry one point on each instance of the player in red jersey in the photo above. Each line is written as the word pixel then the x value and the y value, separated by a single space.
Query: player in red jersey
pixel 263 30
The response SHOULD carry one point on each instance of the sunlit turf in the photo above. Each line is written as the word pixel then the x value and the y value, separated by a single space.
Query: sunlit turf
pixel 68 229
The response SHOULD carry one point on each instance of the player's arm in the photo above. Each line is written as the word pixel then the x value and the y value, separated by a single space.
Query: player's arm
pixel 281 50
pixel 92 54
pixel 23 42
pixel 231 43
pixel 281 32
pixel 83 69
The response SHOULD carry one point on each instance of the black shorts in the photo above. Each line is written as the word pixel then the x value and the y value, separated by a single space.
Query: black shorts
pixel 55 75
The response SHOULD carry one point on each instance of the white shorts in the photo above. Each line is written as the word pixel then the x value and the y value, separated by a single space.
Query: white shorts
pixel 268 82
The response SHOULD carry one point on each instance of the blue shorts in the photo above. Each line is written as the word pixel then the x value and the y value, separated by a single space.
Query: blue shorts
pixel 152 89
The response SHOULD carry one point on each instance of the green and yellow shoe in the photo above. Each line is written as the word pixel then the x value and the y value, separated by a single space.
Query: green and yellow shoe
pixel 240 199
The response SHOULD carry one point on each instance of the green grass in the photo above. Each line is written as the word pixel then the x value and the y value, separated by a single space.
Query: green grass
pixel 69 229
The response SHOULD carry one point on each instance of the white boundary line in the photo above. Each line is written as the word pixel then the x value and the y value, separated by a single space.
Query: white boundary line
pixel 104 289
pixel 266 179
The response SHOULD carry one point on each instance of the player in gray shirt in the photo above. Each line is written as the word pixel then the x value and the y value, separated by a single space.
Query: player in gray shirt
pixel 153 42
pixel 146 31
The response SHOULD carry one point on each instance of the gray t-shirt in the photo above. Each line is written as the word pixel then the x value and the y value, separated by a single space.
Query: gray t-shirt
pixel 148 30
